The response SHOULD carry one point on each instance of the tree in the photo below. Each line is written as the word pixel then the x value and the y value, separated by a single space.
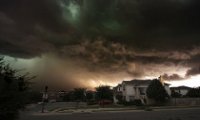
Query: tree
pixel 13 92
pixel 34 96
pixel 89 95
pixel 79 94
pixel 68 97
pixel 157 91
pixel 193 92
pixel 104 92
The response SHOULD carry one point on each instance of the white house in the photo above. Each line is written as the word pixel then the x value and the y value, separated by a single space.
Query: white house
pixel 117 91
pixel 135 89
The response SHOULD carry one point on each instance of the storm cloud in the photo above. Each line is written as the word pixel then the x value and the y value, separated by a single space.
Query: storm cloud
pixel 172 77
pixel 136 38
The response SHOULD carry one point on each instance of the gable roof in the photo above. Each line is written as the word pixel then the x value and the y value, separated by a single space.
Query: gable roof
pixel 137 82
pixel 167 84
pixel 181 87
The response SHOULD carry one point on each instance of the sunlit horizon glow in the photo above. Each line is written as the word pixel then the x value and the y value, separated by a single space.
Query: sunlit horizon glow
pixel 194 81
pixel 91 81
pixel 191 82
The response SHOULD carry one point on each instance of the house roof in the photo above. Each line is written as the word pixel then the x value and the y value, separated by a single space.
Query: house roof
pixel 181 87
pixel 119 85
pixel 167 84
pixel 137 82
pixel 115 88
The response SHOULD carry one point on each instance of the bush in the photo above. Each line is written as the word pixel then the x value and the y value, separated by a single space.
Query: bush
pixel 193 93
pixel 92 102
pixel 125 103
pixel 136 102
pixel 34 97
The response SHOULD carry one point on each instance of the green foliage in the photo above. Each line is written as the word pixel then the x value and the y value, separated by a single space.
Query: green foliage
pixel 34 96
pixel 193 92
pixel 13 92
pixel 125 103
pixel 89 95
pixel 79 94
pixel 68 97
pixel 157 91
pixel 104 92
pixel 136 102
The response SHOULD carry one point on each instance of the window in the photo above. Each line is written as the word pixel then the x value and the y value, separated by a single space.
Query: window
pixel 142 91
pixel 124 88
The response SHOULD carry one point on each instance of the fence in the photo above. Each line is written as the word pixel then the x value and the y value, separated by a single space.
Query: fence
pixel 185 101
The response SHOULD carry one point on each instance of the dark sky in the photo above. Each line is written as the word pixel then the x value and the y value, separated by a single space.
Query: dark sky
pixel 84 41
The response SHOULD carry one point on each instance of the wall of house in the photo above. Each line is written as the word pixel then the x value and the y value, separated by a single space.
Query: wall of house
pixel 119 89
pixel 115 100
pixel 183 92
pixel 129 93
pixel 143 89
pixel 167 88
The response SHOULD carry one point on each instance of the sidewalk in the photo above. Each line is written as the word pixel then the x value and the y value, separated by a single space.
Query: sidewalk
pixel 122 109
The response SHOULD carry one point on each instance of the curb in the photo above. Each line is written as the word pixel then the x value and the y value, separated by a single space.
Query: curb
pixel 89 111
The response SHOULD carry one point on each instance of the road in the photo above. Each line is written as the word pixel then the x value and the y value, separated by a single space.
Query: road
pixel 173 114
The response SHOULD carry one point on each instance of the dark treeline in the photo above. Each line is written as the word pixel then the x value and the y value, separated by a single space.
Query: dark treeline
pixel 15 92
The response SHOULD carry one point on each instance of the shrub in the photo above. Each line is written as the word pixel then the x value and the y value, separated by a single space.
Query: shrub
pixel 136 102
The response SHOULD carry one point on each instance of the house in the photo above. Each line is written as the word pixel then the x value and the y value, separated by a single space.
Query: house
pixel 183 90
pixel 117 92
pixel 135 89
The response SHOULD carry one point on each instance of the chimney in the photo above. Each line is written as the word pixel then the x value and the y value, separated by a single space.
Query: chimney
pixel 161 80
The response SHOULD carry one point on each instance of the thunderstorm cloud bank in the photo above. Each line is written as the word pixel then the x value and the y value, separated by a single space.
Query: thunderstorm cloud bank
pixel 93 42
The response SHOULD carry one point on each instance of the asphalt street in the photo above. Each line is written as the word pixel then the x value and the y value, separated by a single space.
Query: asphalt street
pixel 172 114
